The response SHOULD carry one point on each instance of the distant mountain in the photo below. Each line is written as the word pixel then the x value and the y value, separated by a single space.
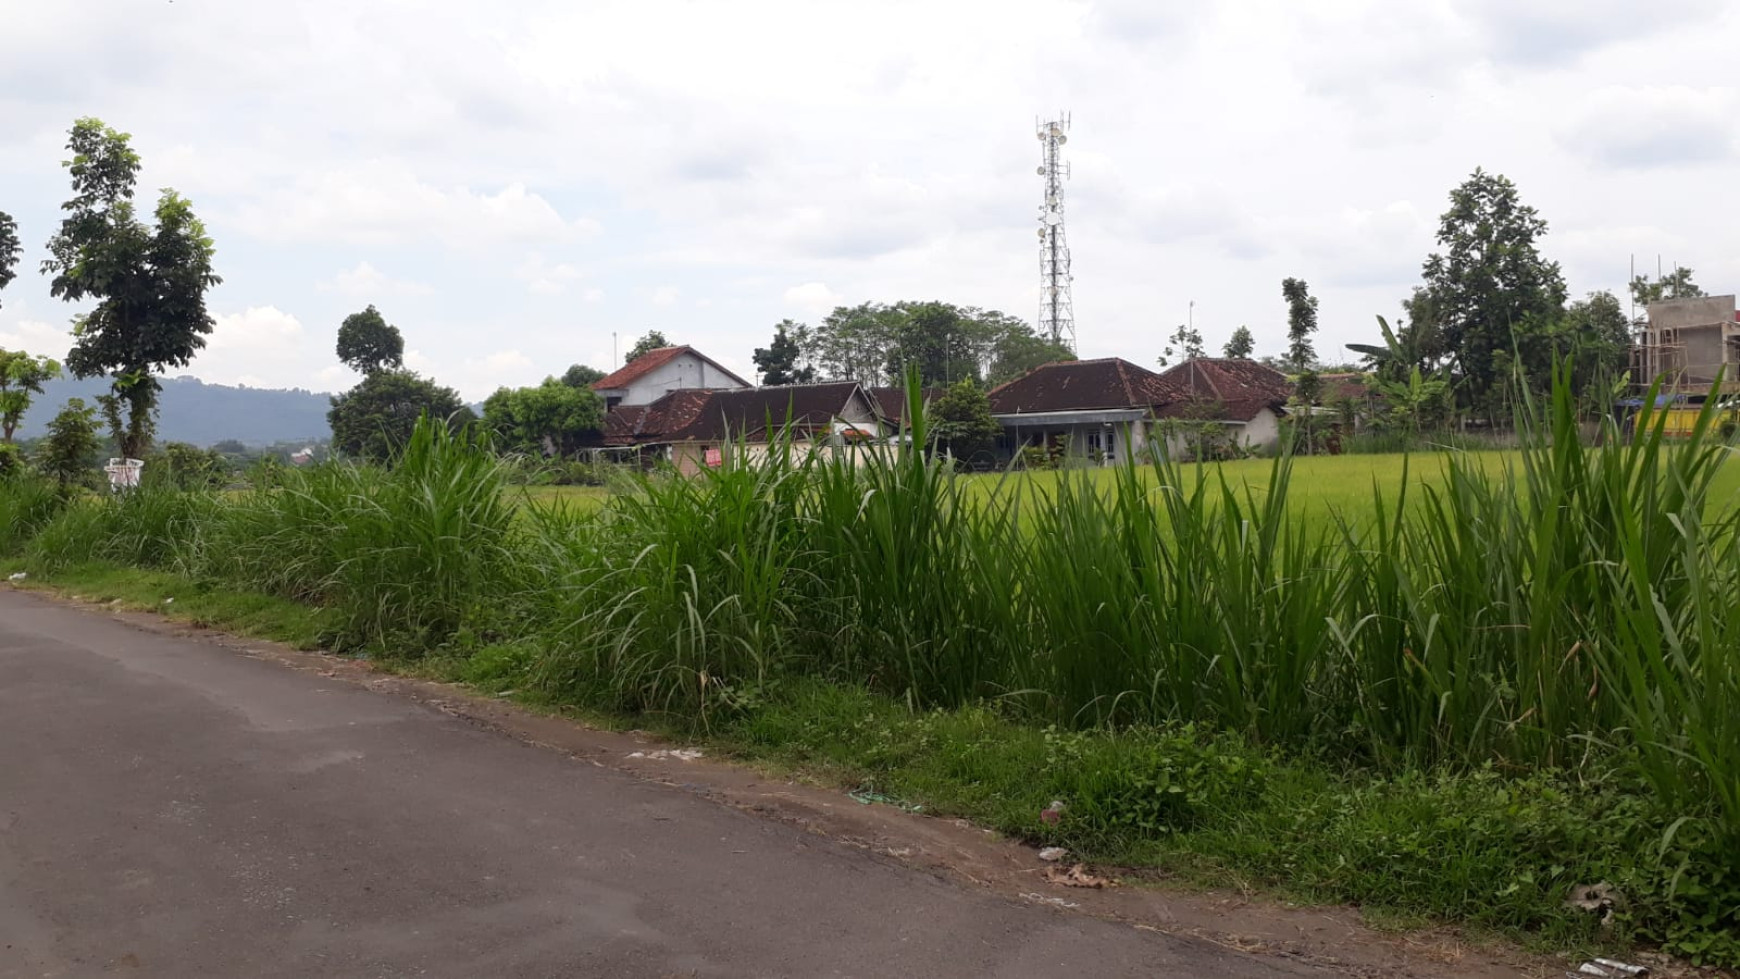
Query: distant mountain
pixel 194 411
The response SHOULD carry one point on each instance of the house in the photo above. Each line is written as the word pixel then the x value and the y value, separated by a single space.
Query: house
pixel 1087 409
pixel 657 373
pixel 1244 398
pixel 1690 341
pixel 1101 410
pixel 694 428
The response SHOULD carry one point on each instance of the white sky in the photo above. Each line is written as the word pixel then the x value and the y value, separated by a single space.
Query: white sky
pixel 513 182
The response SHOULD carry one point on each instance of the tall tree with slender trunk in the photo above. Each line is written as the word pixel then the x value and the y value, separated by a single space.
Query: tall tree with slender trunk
pixel 149 283
pixel 1301 323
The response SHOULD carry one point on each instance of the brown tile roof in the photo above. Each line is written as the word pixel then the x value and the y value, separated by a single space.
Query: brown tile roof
pixel 633 424
pixel 891 402
pixel 695 415
pixel 1241 388
pixel 1079 385
pixel 1339 387
pixel 652 360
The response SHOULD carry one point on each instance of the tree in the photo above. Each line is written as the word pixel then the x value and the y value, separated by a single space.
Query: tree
pixel 960 422
pixel 1595 337
pixel 368 344
pixel 654 340
pixel 552 418
pixel 190 467
pixel 1301 323
pixel 1489 293
pixel 1019 349
pixel 782 361
pixel 581 376
pixel 21 376
pixel 72 440
pixel 149 283
pixel 1677 284
pixel 1240 345
pixel 1185 343
pixel 374 419
pixel 9 249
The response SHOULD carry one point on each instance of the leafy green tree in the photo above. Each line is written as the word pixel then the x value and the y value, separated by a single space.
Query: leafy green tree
pixel 854 343
pixel 1185 343
pixel 582 376
pixel 552 419
pixel 654 340
pixel 1018 349
pixel 149 284
pixel 21 376
pixel 1677 284
pixel 960 421
pixel 375 419
pixel 71 442
pixel 190 467
pixel 1301 323
pixel 368 344
pixel 1489 292
pixel 782 361
pixel 1240 345
pixel 1418 403
pixel 1595 337
pixel 9 249
pixel 230 447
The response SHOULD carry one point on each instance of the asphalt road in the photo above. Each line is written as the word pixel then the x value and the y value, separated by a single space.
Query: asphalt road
pixel 169 807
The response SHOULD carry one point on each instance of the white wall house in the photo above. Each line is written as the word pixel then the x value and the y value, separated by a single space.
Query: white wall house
pixel 657 373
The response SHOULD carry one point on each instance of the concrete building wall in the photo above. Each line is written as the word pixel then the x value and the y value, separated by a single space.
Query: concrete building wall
pixel 1681 313
pixel 685 371
pixel 1263 431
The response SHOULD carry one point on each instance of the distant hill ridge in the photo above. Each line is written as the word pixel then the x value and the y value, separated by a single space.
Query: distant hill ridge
pixel 193 411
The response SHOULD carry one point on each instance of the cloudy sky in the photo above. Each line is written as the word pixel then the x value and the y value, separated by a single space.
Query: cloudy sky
pixel 512 183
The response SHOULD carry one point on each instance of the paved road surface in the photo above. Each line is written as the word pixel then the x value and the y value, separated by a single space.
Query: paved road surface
pixel 172 808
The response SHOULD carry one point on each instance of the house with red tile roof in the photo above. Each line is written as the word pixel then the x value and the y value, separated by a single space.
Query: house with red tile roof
pixel 1105 409
pixel 657 373
pixel 694 428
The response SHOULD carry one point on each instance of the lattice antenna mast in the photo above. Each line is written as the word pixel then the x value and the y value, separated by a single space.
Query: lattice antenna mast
pixel 1056 315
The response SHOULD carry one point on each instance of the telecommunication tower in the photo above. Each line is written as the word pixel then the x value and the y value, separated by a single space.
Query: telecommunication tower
pixel 1056 316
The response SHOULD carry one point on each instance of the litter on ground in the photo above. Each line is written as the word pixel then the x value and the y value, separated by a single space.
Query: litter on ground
pixel 680 754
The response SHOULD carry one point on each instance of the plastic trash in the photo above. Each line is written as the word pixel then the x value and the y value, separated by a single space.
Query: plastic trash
pixel 17 576
pixel 1053 814
pixel 680 754
pixel 1609 969
pixel 1053 854
pixel 123 473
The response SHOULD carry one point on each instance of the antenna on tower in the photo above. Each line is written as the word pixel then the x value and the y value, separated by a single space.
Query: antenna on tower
pixel 1056 315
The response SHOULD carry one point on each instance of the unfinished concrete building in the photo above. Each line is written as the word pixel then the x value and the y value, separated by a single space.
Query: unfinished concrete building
pixel 1688 342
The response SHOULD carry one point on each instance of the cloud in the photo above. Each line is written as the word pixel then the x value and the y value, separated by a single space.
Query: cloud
pixel 367 281
pixel 593 295
pixel 261 346
pixel 665 296
pixel 38 338
pixel 1556 32
pixel 1653 126
pixel 381 203
pixel 813 298
pixel 545 278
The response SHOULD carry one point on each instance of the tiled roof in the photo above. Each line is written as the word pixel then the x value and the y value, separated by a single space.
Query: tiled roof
pixel 652 360
pixel 1079 385
pixel 1343 387
pixel 695 415
pixel 1241 388
pixel 892 401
